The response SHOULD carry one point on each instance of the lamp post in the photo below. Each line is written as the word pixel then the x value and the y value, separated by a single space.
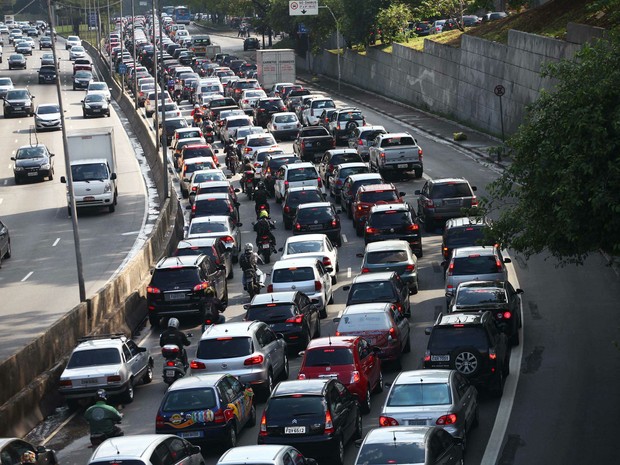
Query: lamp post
pixel 135 75
pixel 337 39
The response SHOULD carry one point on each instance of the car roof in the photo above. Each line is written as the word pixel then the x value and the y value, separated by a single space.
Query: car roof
pixel 423 376
pixel 372 277
pixel 305 238
pixel 363 176
pixel 447 180
pixel 100 342
pixel 252 454
pixel 390 206
pixel 197 242
pixel 485 250
pixel 294 262
pixel 234 329
pixel 314 205
pixel 180 261
pixel 196 381
pixel 302 188
pixel 354 164
pixel 387 245
pixel 214 196
pixel 211 218
pixel 372 307
pixel 479 284
pixel 332 341
pixel 300 386
pixel 303 164
pixel 397 434
pixel 128 447
pixel 378 187
pixel 273 297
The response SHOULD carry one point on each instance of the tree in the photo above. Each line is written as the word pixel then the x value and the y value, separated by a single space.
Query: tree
pixel 391 21
pixel 561 193
pixel 454 9
pixel 358 19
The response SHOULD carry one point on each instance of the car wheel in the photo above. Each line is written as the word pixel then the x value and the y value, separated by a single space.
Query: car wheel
pixel 414 289
pixel 285 372
pixel 252 420
pixel 287 224
pixel 148 376
pixel 84 114
pixel 407 347
pixel 379 386
pixel 418 174
pixel 335 279
pixel 506 366
pixel 51 176
pixel 112 208
pixel 366 404
pixel 153 320
pixel 127 396
pixel 231 275
pixel 331 299
pixel 17 180
pixel 466 361
pixel 476 421
pixel 8 253
pixel 268 387
pixel 339 452
pixel 317 333
pixel 231 440
pixel 357 434
pixel 323 312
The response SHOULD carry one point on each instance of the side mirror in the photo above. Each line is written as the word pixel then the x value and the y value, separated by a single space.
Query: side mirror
pixel 474 188
pixel 81 101
pixel 358 443
pixel 280 335
pixel 336 320
pixel 63 180
pixel 52 154
pixel 346 288
pixel 246 306
pixel 239 225
pixel 329 269
pixel 507 260
pixel 113 176
pixel 428 331
pixel 402 194
pixel 359 255
pixel 417 192
pixel 339 211
pixel 281 249
pixel 13 158
pixel 519 291
pixel 142 349
pixel 193 450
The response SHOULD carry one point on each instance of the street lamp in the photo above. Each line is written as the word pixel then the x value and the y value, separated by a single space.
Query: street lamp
pixel 337 39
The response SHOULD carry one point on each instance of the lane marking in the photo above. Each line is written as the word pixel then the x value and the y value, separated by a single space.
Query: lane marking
pixel 349 273
pixel 27 276
pixel 61 426
pixel 344 238
pixel 1 200
pixel 56 242
pixel 130 233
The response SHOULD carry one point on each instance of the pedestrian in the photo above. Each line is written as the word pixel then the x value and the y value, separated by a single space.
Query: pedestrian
pixel 240 32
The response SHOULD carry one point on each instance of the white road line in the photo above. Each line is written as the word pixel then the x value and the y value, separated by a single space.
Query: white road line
pixel 344 238
pixel 6 181
pixel 130 233
pixel 61 426
pixel 56 242
pixel 1 200
pixel 27 276
pixel 348 272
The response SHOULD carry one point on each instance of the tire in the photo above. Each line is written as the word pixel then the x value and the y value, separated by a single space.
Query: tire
pixel 331 299
pixel 17 180
pixel 476 421
pixel 84 115
pixel 252 420
pixel 323 313
pixel 349 211
pixel 231 275
pixel 317 333
pixel 418 173
pixel 358 230
pixel 148 376
pixel 506 367
pixel 128 395
pixel 51 176
pixel 154 321
pixel 339 452
pixel 514 339
pixel 407 347
pixel 335 279
pixel 466 361
pixel 379 386
pixel 231 439
pixel 268 387
pixel 357 434
pixel 8 252
pixel 366 404
pixel 73 404
pixel 112 208
pixel 286 371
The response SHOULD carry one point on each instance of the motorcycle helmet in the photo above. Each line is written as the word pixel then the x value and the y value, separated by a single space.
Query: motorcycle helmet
pixel 173 323
pixel 196 107
pixel 249 248
pixel 101 395
pixel 263 214
pixel 29 457
pixel 261 185
pixel 231 141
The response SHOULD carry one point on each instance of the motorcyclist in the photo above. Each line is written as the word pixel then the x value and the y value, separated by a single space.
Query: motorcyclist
pixel 249 259
pixel 215 307
pixel 28 458
pixel 197 115
pixel 263 228
pixel 231 153
pixel 260 198
pixel 172 335
pixel 247 166
pixel 102 418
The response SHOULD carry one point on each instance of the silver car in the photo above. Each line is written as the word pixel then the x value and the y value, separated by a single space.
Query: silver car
pixel 47 116
pixel 392 255
pixel 265 454
pixel 362 137
pixel 249 350
pixel 217 226
pixel 432 398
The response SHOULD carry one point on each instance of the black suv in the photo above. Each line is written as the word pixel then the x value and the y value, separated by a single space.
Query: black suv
pixel 394 221
pixel 316 416
pixel 18 101
pixel 386 286
pixel 442 199
pixel 471 344
pixel 296 196
pixel 265 107
pixel 465 232
pixel 178 286
pixel 47 74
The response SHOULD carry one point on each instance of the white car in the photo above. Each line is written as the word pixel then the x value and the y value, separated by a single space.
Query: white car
pixel 296 175
pixel 6 84
pixel 315 246
pixel 47 116
pixel 257 141
pixel 71 41
pixel 259 156
pixel 307 275
pixel 172 111
pixel 248 99
pixel 99 88
pixel 284 124
pixel 311 114
pixel 230 125
pixel 77 51
pixel 200 176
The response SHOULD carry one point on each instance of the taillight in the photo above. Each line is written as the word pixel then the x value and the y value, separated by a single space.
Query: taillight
pixel 329 425
pixel 365 270
pixel 474 201
pixel 152 290
pixel 360 142
pixel 255 360
pixel 392 333
pixel 387 421
pixel 492 354
pixel 450 268
pixel 318 286
pixel 371 230
pixel 327 261
pixel 195 365
pixel 410 268
pixel 65 383
pixel 506 315
pixel 170 363
pixel 412 227
pixel 218 416
pixel 298 319
pixel 114 379
pixel 159 421
pixel 297 227
pixel 355 377
pixel 427 356
pixel 301 376
pixel 247 150
pixel 449 419
pixel 263 426
pixel 270 288
pixel 320 182
pixel 201 287
pixel 287 209
pixel 334 223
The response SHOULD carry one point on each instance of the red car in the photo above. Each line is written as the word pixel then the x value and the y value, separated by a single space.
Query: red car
pixel 351 359
pixel 370 195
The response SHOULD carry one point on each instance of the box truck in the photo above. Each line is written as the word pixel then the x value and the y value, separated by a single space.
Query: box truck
pixel 93 168
pixel 275 65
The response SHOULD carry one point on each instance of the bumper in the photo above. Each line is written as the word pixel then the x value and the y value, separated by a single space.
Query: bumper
pixel 47 79
pixel 102 200
pixel 408 166
pixel 38 174
pixel 194 307
pixel 90 391
pixel 198 435
pixel 96 112
pixel 390 352
pixel 42 125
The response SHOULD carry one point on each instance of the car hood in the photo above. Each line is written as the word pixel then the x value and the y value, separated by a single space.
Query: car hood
pixel 49 117
pixel 29 162
pixel 18 102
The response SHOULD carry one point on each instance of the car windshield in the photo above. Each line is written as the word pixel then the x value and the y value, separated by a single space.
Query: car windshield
pixel 189 399
pixel 472 296
pixel 213 189
pixel 378 196
pixel 446 338
pixel 393 453
pixel 89 172
pixel 390 218
pixel 83 75
pixel 296 198
pixel 299 405
pixel 314 132
pixel 30 152
pixel 304 247
pixel 48 109
pixel 350 116
pixel 302 174
pixel 95 98
pixel 224 347
pixel 361 293
pixel 410 395
pixel 450 190
pixel 325 357
pixel 205 227
pixel 94 357
pixel 319 214
pixel 211 176
pixel 5 82
pixel 292 274
pixel 270 313
pixel 202 165
pixel 211 206
pixel 386 256
pixel 189 134
pixel 476 264
pixel 17 94
pixel 371 321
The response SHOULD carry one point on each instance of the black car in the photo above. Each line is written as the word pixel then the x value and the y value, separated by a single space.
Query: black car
pixel 17 61
pixel 290 313
pixel 18 101
pixel 47 74
pixel 333 158
pixel 331 418
pixel 422 28
pixel 471 344
pixel 318 218
pixel 45 42
pixel 265 107
pixel 214 205
pixel 81 79
pixel 498 297
pixel 465 232
pixel 95 104
pixel 33 162
pixel 385 287
pixel 214 247
pixel 296 196
pixel 178 284
pixel 251 43
pixel 394 221
pixel 171 125
pixel 5 242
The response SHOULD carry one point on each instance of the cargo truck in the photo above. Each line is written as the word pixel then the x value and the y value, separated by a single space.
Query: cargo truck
pixel 275 66
pixel 93 169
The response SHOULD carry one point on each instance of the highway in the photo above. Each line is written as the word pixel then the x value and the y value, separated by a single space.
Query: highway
pixel 563 378
pixel 39 283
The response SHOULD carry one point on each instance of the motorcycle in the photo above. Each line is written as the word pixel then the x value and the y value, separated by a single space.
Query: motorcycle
pixel 174 368
pixel 253 280
pixel 265 248
pixel 207 131
pixel 97 438
pixel 248 182
pixel 197 119
pixel 178 96
pixel 232 161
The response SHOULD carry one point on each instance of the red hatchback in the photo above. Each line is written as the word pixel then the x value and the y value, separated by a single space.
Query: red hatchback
pixel 350 359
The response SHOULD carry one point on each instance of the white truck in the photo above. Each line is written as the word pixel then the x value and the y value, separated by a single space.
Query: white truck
pixel 396 152
pixel 273 66
pixel 93 168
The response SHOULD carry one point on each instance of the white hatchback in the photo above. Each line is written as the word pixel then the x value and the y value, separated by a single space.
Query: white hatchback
pixel 313 246
pixel 296 175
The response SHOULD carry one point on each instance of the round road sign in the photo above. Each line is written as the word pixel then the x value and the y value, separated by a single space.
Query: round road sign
pixel 499 90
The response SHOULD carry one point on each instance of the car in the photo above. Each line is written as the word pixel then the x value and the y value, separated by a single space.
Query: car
pixel 257 141
pixel 106 361
pixel 215 247
pixel 307 275
pixel 465 232
pixel 82 79
pixel 296 196
pixel 249 350
pixel 200 176
pixel 485 263
pixel 284 125
pixel 318 218
pixel 172 112
pixel 177 146
pixel 99 87
pixel 444 198
pixel 231 124
pixel 77 51
pixel 293 100
pixel 350 187
pixel 207 408
pixel 334 157
pixel 362 137
pixel 147 449
pixel 265 455
pixel 6 84
pixel 24 48
pixel 47 117
pixel 498 297
pixel 428 445
pixel 217 226
pixel 265 107
pixel 211 204
pixel 12 449
pixel 33 162
pixel 259 155
pixel 290 313
pixel 177 287
pixel 442 398
pixel 350 359
pixel 47 74
pixel 251 43
pixel 422 28
pixel 189 166
pixel 332 417
pixel 315 106
pixel 296 175
pixel 150 100
pixel 95 104
pixel 270 166
pixel 392 255
pixel 71 41
pixel 5 242
pixel 437 26
pixel 386 286
pixel 248 99
pixel 17 61
pixel 342 172
pixel 45 42
pixel 313 245
pixel 343 122
pixel 172 124
pixel 394 221
pixel 237 88
pixel 369 195
pixel 381 324
pixel 471 344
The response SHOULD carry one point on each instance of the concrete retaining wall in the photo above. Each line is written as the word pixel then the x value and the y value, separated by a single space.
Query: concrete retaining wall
pixel 28 392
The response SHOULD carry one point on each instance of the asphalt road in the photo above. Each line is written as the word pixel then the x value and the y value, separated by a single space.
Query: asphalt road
pixel 39 283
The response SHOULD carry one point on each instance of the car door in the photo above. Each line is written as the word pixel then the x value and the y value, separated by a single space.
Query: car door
pixel 138 357
pixel 402 324
pixel 369 363
pixel 4 239
pixel 326 279
pixel 279 185
pixel 272 349
pixel 214 276
pixel 310 312
pixel 345 406
pixel 467 398
pixel 240 399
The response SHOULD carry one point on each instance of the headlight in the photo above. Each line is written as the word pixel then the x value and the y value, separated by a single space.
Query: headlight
pixel 107 188
pixel 19 168
pixel 45 166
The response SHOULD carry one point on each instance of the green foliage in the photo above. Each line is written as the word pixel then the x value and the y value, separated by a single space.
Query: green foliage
pixel 443 8
pixel 561 193
pixel 392 21
pixel 609 7
pixel 358 19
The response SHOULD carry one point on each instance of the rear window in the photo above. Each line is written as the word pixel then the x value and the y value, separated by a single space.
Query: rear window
pixel 345 158
pixel 370 321
pixel 285 119
pixel 270 313
pixel 261 141
pixel 371 292
pixel 190 399
pixel 386 256
pixel 366 182
pixel 350 116
pixel 166 277
pixel 271 104
pixel 462 237
pixel 451 190
pixel 205 227
pixel 191 167
pixel 88 358
pixel 390 218
pixel 302 174
pixel 304 247
pixel 392 453
pixel 295 198
pixel 212 207
pixel 378 196
pixel 213 189
pixel 323 104
pixel 191 152
pixel 397 141
pixel 290 275
pixel 224 347
pixel 446 338
pixel 320 214
pixel 467 296
pixel 195 251
pixel 328 357
pixel 314 132
pixel 282 407
pixel 481 264
pixel 410 395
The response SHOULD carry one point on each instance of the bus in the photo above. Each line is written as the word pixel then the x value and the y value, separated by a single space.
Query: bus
pixel 168 10
pixel 181 15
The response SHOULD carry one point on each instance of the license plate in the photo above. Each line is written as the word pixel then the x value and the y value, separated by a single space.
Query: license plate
pixel 17 108
pixel 420 422
pixel 177 296
pixel 294 430
pixel 440 358
pixel 169 373
pixel 90 381
pixel 96 111
pixel 265 246
pixel 404 165
pixel 89 198
pixel 314 227
pixel 191 434
pixel 335 376
pixel 34 173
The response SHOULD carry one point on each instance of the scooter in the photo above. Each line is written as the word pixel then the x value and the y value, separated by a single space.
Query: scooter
pixel 248 181
pixel 207 130
pixel 174 368
pixel 253 281
pixel 97 438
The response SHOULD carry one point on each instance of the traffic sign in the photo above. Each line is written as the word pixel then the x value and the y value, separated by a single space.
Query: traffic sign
pixel 122 68
pixel 499 90
pixel 302 29
pixel 303 7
